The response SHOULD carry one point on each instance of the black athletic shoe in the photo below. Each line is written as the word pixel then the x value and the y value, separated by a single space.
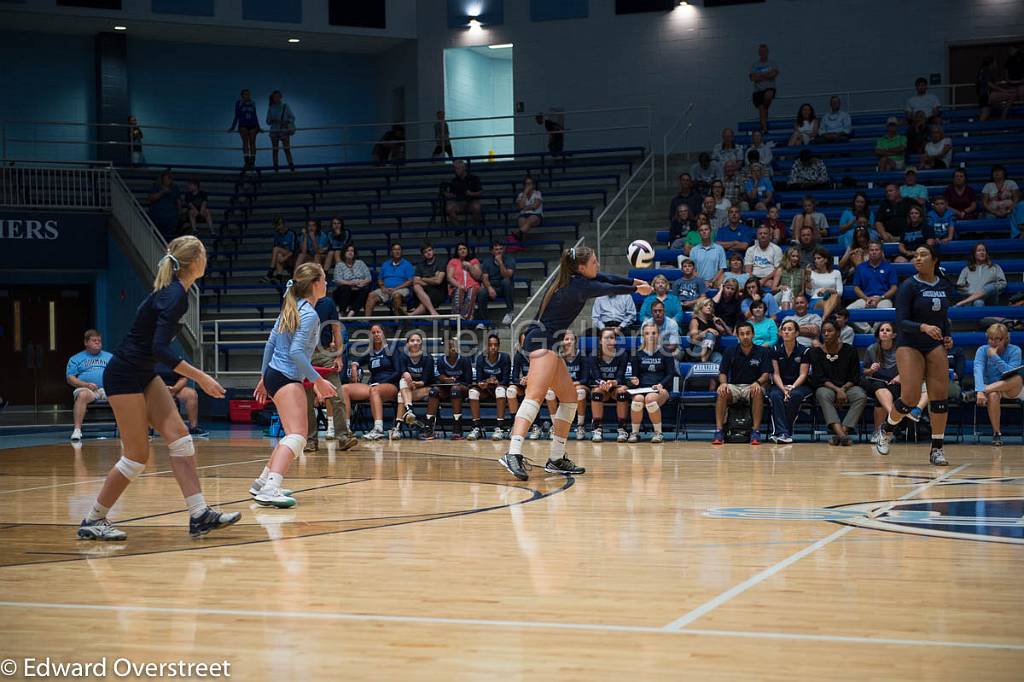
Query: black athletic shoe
pixel 457 430
pixel 516 465
pixel 938 458
pixel 997 440
pixel 211 520
pixel 563 465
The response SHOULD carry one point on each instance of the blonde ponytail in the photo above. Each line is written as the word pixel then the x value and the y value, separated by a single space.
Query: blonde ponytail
pixel 182 254
pixel 299 287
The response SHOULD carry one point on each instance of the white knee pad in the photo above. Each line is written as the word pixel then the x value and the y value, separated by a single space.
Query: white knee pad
pixel 528 410
pixel 294 442
pixel 565 412
pixel 636 406
pixel 129 468
pixel 183 447
pixel 550 395
pixel 474 394
pixel 403 384
pixel 652 407
pixel 500 391
pixel 511 392
pixel 581 393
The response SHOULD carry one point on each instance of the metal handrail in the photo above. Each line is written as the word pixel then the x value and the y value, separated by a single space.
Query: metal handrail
pixel 625 192
pixel 665 147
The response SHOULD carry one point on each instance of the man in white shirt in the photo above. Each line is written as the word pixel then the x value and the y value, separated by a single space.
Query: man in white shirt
pixel 764 259
pixel 835 125
pixel 618 310
pixel 923 101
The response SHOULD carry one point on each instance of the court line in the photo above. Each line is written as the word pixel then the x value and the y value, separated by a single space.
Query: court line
pixel 759 577
pixel 531 625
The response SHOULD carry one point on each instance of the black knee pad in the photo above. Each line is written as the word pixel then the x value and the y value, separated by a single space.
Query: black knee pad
pixel 623 397
pixel 937 406
pixel 598 397
pixel 901 406
pixel 458 393
pixel 434 393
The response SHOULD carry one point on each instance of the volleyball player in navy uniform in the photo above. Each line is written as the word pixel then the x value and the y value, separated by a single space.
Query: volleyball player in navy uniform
pixel 418 373
pixel 923 331
pixel 493 368
pixel 139 397
pixel 385 373
pixel 652 368
pixel 607 376
pixel 578 281
pixel 454 377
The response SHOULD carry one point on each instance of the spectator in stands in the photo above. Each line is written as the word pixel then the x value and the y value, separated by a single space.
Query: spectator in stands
pixel 961 197
pixel 497 271
pixel 763 259
pixel 982 281
pixel 810 217
pixel 763 74
pixel 753 291
pixel 727 151
pixel 352 278
pixel 337 239
pixel 135 137
pixel 1017 221
pixel 663 294
pixel 835 374
pixel 991 362
pixel 722 202
pixel 807 243
pixel 711 214
pixel 687 195
pixel 248 124
pixel 842 319
pixel 918 233
pixel 857 252
pixel 429 282
pixel 393 282
pixel 729 302
pixel 766 333
pixel 891 216
pixel 195 205
pixel 682 230
pixel 836 125
pixel 282 253
pixel 391 146
pixel 992 93
pixel 890 148
pixel 463 196
pixel 652 369
pixel 742 378
pixel 709 258
pixel 614 311
pixel 859 208
pixel 282 126
pixel 1000 194
pixel 165 205
pixel 735 269
pixel 943 221
pixel 735 236
pixel 938 151
pixel 874 283
pixel 690 286
pixel 442 137
pixel 85 374
pixel 984 80
pixel 732 184
pixel 313 245
pixel 705 171
pixel 758 190
pixel 668 328
pixel 705 331
pixel 808 322
pixel 531 209
pixel 807 172
pixel 556 133
pixel 792 275
pixel 824 283
pixel 764 150
pixel 185 396
pixel 776 225
pixel 917 136
pixel 463 283
pixel 912 190
pixel 806 126
pixel 924 102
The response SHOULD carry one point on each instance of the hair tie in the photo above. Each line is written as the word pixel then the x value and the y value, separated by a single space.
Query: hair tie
pixel 288 285
pixel 175 265
pixel 572 252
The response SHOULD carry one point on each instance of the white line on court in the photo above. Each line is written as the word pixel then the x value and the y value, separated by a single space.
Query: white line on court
pixel 530 625
pixel 761 576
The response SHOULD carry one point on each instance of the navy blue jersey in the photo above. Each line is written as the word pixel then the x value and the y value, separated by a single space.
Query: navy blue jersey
pixel 917 235
pixel 421 369
pixel 327 311
pixel 745 368
pixel 789 364
pixel 520 367
pixel 459 372
pixel 154 328
pixel 567 303
pixel 614 370
pixel 288 240
pixel 653 368
pixel 577 367
pixel 500 368
pixel 918 302
pixel 385 368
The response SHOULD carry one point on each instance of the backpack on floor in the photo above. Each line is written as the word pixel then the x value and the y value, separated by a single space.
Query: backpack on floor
pixel 738 423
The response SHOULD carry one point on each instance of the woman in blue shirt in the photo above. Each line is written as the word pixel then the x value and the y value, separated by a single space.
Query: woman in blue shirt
pixel 991 362
pixel 248 124
pixel 282 126
pixel 314 245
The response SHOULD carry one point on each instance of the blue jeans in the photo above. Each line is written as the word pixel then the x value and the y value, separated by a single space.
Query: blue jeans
pixel 784 412
pixel 991 296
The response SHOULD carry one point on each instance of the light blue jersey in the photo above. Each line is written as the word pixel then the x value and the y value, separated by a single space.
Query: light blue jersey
pixel 88 367
pixel 289 352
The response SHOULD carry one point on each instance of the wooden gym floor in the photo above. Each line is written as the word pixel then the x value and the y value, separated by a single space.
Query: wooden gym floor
pixel 413 560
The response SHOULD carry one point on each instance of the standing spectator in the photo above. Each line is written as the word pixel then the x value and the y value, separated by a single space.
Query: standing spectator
pixel 912 190
pixel 337 239
pixel 353 279
pixel 758 191
pixel 556 133
pixel 248 124
pixel 682 231
pixel 709 258
pixel 742 377
pixel 763 74
pixel 735 236
pixel 859 208
pixel 195 201
pixel 766 332
pixel 463 285
pixel 531 209
pixel 428 282
pixel 805 129
pixel 808 322
pixel 776 225
pixel 1000 194
pixel 991 362
pixel 807 172
pixel 282 253
pixel 874 283
pixel 982 280
pixel 810 217
pixel 824 283
pixel 463 196
pixel 135 141
pixel 763 149
pixel 961 197
pixel 727 153
pixel 85 374
pixel 282 126
pixel 687 195
pixel 923 102
pixel 705 172
pixel 614 311
pixel 391 146
pixel 763 259
pixel 806 243
pixel 791 278
pixel 917 234
pixel 165 204
pixel 497 271
pixel 185 397
pixel 938 151
pixel 663 295
pixel 943 221
pixel 836 125
pixel 890 148
pixel 891 217
pixel 393 283
pixel 835 373
pixel 689 287
pixel 442 137
pixel 312 246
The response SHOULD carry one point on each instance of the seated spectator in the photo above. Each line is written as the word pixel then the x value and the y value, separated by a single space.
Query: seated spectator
pixel 165 209
pixel 808 322
pixel 912 190
pixel 982 281
pixel 706 329
pixel 1017 221
pixel 792 275
pixel 891 216
pixel 735 269
pixel 763 259
pixel 753 290
pixel 742 378
pixel 313 246
pixel 766 333
pixel 282 253
pixel 758 190
pixel 961 197
pixel 710 212
pixel 776 225
pixel 810 217
pixel 835 375
pixel 613 311
pixel 917 136
pixel 734 236
pixel 652 369
pixel 859 208
pixel 943 221
pixel 824 283
pixel 391 146
pixel 531 210
pixel 709 258
pixel 729 303
pixel 764 150
pixel 732 184
pixel 668 328
pixel 938 151
pixel 1000 194
pixel 836 125
pixel 874 283
pixel 806 127
pixel 681 228
pixel 806 244
pixel 923 102
pixel 661 293
pixel 353 280
pixel 185 396
pixel 194 202
pixel 690 286
pixel 687 195
pixel 704 172
pixel 85 374
pixel 463 285
pixel 722 202
pixel 857 252
pixel 393 282
pixel 727 151
pixel 991 362
pixel 842 320
pixel 337 239
pixel 791 369
pixel 891 147
pixel 807 172
pixel 744 174
pixel 463 196
pixel 497 271
pixel 918 233
pixel 429 282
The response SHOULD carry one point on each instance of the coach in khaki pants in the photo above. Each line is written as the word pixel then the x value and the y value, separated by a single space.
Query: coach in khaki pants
pixel 329 353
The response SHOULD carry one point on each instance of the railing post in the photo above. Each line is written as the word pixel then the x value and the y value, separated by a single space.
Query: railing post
pixel 216 349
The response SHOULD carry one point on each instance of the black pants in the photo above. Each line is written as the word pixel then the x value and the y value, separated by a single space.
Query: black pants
pixel 504 287
pixel 347 298
pixel 447 150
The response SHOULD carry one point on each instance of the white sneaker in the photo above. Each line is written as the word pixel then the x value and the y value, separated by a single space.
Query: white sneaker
pixel 874 437
pixel 395 434
pixel 474 434
pixel 580 432
pixel 76 434
pixel 596 436
pixel 535 432
pixel 658 437
pixel 498 434
pixel 273 497
pixel 633 438
pixel 329 435
pixel 374 434
pixel 622 437
pixel 507 320
pixel 259 484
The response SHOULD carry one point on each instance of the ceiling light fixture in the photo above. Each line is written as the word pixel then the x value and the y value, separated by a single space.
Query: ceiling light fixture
pixel 294 40
pixel 120 28
pixel 502 46
pixel 474 22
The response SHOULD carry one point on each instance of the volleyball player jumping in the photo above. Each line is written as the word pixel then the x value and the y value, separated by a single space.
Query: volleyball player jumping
pixel 578 280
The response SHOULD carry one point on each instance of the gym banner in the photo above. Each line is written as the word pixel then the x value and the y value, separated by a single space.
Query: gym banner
pixel 52 239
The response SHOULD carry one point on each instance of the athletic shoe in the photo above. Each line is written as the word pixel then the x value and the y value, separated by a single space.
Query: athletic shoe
pixel 874 437
pixel 507 320
pixel 198 432
pixel 100 529
pixel 882 444
pixel 374 434
pixel 596 436
pixel 498 434
pixel 997 440
pixel 330 433
pixel 76 434
pixel 347 442
pixel 395 434
pixel 755 437
pixel 409 417
pixel 622 437
pixel 474 434
pixel 212 520
pixel 563 465
pixel 273 497
pixel 784 438
pixel 718 438
pixel 516 465
pixel 915 414
pixel 633 438
pixel 938 458
pixel 535 432
pixel 581 433
pixel 259 484
pixel 457 430
pixel 658 437
pixel 311 445
pixel 427 433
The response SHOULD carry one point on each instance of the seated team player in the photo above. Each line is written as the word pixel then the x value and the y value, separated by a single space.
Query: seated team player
pixel 384 374
pixel 607 377
pixel 654 369
pixel 185 396
pixel 742 377
pixel 791 366
pixel 417 375
pixel 991 363
pixel 85 373
pixel 577 366
pixel 454 374
pixel 493 368
pixel 517 386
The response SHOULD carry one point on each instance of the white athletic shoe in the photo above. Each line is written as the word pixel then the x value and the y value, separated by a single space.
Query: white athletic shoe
pixel 507 320
pixel 658 437
pixel 580 432
pixel 329 435
pixel 273 497
pixel 374 434
pixel 395 434
pixel 474 434
pixel 76 434
pixel 100 530
pixel 882 444
pixel 259 484
pixel 535 432
pixel 622 437
pixel 633 438
pixel 596 436
pixel 498 434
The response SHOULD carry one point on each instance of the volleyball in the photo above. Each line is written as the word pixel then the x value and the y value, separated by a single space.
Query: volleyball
pixel 640 254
